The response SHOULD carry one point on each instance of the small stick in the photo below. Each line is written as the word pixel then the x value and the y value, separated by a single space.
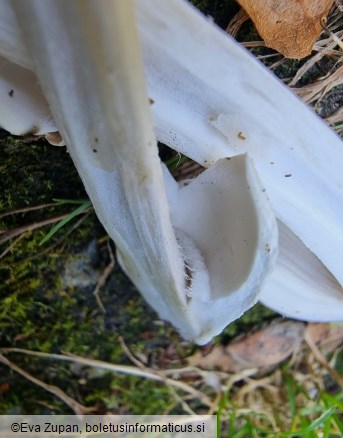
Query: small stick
pixel 10 234
pixel 27 209
pixel 125 369
pixel 73 404
pixel 128 353
pixel 322 360
pixel 103 278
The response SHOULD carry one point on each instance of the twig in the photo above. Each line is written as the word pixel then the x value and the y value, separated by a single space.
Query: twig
pixel 310 63
pixel 236 23
pixel 140 365
pixel 103 278
pixel 10 234
pixel 125 369
pixel 249 44
pixel 332 35
pixel 128 353
pixel 316 90
pixel 27 209
pixel 73 404
pixel 183 403
pixel 12 245
pixel 59 241
pixel 322 360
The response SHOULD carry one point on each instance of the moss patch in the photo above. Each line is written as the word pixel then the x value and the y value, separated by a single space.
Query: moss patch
pixel 38 311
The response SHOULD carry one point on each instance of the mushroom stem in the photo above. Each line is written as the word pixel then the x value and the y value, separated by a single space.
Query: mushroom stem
pixel 200 253
pixel 200 260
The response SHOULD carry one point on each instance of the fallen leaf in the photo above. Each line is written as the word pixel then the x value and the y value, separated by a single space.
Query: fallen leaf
pixel 262 349
pixel 268 346
pixel 327 336
pixel 289 26
pixel 216 360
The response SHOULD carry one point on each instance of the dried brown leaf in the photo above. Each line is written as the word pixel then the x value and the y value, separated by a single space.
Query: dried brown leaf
pixel 217 359
pixel 262 349
pixel 288 26
pixel 327 336
pixel 268 346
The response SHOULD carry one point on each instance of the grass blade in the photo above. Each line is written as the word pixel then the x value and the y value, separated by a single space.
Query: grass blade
pixel 314 425
pixel 59 225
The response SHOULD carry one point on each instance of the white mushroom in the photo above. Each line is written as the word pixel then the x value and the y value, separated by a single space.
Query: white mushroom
pixel 199 253
pixel 23 108
pixel 213 99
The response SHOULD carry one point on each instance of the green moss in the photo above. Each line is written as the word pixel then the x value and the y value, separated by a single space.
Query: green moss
pixel 130 395
pixel 38 312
